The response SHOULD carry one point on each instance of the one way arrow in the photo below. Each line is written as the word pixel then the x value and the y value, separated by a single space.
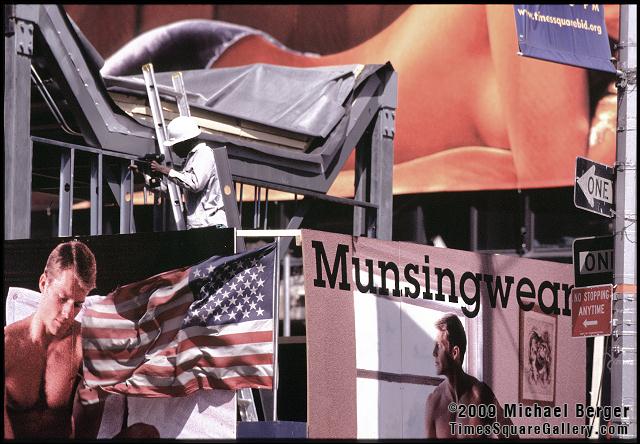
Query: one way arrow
pixel 595 187
pixel 589 323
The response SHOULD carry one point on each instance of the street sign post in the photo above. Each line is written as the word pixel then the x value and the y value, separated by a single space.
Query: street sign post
pixel 593 190
pixel 591 311
pixel 593 261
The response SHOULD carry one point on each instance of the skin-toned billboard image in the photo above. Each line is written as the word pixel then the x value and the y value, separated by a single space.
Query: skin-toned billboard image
pixel 412 341
pixel 52 287
pixel 471 113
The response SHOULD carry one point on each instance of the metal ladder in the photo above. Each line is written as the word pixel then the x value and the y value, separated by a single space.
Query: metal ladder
pixel 246 403
pixel 175 196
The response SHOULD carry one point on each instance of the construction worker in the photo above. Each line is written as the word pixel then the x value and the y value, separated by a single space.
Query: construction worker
pixel 197 177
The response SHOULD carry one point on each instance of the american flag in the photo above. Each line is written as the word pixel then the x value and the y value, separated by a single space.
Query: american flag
pixel 202 327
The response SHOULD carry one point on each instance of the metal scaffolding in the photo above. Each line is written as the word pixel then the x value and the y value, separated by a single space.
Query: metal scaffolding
pixel 40 41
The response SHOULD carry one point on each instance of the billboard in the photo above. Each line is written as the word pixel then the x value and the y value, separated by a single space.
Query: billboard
pixel 471 113
pixel 380 364
pixel 42 388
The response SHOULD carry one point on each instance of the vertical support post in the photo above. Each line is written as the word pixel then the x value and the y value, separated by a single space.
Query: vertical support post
pixel 239 205
pixel 125 204
pixel 374 168
pixel 597 365
pixel 266 208
pixel 96 195
pixel 286 322
pixel 65 207
pixel 276 322
pixel 362 184
pixel 158 212
pixel 382 171
pixel 132 221
pixel 473 228
pixel 528 224
pixel 18 147
pixel 257 195
pixel 624 349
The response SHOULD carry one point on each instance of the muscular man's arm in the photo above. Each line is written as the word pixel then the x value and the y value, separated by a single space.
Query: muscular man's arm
pixel 8 428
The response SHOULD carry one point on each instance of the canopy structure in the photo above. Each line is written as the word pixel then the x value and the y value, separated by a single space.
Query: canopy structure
pixel 289 129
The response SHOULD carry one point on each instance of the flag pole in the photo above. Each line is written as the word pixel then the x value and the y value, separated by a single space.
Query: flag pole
pixel 276 321
pixel 277 234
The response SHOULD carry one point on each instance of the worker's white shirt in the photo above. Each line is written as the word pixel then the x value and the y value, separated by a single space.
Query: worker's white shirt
pixel 199 180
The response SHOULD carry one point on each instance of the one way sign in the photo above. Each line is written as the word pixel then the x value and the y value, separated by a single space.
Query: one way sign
pixel 593 190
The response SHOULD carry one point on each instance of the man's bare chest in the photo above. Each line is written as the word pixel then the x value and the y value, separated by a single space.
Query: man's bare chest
pixel 43 378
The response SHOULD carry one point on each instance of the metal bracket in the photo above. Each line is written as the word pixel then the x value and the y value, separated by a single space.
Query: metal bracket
pixel 623 297
pixel 617 334
pixel 615 322
pixel 24 37
pixel 627 123
pixel 626 77
pixel 617 349
pixel 388 122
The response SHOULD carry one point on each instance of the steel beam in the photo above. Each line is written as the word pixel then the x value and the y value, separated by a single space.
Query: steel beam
pixel 65 196
pixel 382 159
pixel 374 169
pixel 95 192
pixel 126 200
pixel 362 219
pixel 93 111
pixel 18 149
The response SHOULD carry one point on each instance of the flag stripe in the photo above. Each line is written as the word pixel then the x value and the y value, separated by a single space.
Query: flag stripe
pixel 216 366
pixel 168 316
pixel 142 378
pixel 225 335
pixel 201 383
pixel 111 367
pixel 135 339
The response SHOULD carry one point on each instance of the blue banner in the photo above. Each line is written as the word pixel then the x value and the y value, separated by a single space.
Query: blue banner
pixel 568 34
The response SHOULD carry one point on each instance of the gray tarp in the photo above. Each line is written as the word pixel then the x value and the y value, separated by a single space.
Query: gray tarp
pixel 309 101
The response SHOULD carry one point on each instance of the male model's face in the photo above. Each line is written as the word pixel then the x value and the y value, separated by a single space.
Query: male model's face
pixel 442 355
pixel 62 298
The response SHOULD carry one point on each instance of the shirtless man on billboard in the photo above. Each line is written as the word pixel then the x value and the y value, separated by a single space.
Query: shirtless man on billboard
pixel 43 352
pixel 458 388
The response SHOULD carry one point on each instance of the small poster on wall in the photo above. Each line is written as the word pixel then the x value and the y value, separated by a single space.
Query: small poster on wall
pixel 538 333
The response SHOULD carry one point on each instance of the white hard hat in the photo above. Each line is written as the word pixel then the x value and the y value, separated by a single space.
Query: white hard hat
pixel 180 129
